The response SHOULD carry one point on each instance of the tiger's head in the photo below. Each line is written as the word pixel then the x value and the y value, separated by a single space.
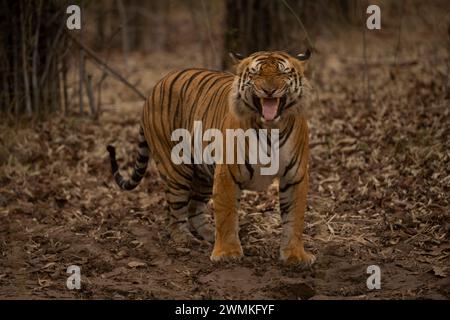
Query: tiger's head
pixel 269 85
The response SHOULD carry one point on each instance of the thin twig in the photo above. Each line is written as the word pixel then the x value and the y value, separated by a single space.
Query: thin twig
pixel 310 43
pixel 52 52
pixel 34 79
pixel 64 81
pixel 366 69
pixel 399 34
pixel 208 26
pixel 196 27
pixel 81 69
pixel 80 80
pixel 105 66
pixel 90 94
pixel 446 93
pixel 16 69
pixel 125 40
pixel 24 64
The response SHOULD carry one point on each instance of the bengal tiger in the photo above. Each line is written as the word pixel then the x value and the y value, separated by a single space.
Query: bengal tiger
pixel 267 90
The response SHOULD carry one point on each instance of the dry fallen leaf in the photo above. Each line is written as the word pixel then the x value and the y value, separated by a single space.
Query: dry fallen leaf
pixel 136 264
pixel 43 283
pixel 440 272
pixel 48 265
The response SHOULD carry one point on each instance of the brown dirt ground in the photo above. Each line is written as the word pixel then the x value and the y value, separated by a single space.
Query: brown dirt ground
pixel 379 195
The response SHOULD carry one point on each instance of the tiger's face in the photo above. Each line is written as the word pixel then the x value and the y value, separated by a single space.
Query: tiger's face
pixel 269 85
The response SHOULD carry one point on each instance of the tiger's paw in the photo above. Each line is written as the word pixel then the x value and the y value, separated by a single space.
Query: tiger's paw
pixel 206 232
pixel 297 256
pixel 181 235
pixel 227 252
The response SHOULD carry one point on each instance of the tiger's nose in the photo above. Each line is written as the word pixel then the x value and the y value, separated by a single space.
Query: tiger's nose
pixel 269 92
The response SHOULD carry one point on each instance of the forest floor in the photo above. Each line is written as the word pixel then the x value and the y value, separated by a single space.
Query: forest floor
pixel 379 195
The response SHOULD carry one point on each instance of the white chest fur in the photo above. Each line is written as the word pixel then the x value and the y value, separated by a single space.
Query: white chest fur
pixel 258 181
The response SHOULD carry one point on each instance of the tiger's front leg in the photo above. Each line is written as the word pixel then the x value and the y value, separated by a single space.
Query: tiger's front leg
pixel 226 194
pixel 293 193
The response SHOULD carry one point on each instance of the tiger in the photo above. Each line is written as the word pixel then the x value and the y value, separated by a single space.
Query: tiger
pixel 268 89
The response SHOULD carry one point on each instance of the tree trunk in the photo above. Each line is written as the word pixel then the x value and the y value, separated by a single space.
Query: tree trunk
pixel 258 25
pixel 30 49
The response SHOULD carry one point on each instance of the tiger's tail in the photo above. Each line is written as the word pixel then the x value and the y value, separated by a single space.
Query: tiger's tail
pixel 140 165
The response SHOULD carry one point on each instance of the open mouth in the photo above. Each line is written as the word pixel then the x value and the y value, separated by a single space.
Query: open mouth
pixel 269 107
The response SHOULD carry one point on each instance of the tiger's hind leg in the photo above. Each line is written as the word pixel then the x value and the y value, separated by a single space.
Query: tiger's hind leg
pixel 178 225
pixel 199 218
pixel 199 213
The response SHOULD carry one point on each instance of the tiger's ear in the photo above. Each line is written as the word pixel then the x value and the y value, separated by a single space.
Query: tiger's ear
pixel 304 56
pixel 236 57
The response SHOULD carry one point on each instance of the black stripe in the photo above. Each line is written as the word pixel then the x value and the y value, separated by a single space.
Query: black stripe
pixel 285 208
pixel 203 177
pixel 250 106
pixel 177 185
pixel 168 106
pixel 177 205
pixel 141 158
pixel 143 144
pixel 202 84
pixel 289 105
pixel 239 184
pixel 141 171
pixel 183 91
pixel 214 94
pixel 285 135
pixel 136 177
pixel 196 214
pixel 249 169
pixel 176 220
pixel 290 185
pixel 217 116
pixel 290 165
pixel 200 198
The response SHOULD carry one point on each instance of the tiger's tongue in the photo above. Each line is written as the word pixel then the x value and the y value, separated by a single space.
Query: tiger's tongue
pixel 269 108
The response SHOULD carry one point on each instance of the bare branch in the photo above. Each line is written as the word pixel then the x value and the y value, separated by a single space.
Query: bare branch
pixel 105 66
